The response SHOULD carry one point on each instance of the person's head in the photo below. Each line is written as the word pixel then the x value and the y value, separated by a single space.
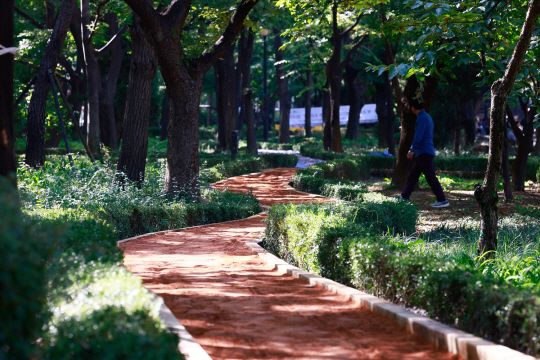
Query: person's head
pixel 416 105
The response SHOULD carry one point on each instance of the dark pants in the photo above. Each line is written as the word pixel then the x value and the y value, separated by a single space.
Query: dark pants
pixel 423 164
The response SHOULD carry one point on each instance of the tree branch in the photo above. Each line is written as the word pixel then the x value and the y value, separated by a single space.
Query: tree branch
pixel 236 23
pixel 351 28
pixel 351 52
pixel 112 39
pixel 148 15
pixel 176 14
pixel 29 18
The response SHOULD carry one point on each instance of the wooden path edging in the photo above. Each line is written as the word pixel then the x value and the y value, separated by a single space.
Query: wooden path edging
pixel 443 337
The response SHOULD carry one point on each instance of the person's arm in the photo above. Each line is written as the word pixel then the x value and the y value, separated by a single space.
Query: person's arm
pixel 418 133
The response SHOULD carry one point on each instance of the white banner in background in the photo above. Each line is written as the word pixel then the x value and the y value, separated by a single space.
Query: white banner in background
pixel 368 115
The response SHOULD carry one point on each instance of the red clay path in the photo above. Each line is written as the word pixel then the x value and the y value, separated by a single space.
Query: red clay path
pixel 238 307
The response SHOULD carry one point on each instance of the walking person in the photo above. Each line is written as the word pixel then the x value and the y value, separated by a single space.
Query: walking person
pixel 423 152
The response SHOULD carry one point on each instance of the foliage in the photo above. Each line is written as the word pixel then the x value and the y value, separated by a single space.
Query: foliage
pixel 26 249
pixel 436 273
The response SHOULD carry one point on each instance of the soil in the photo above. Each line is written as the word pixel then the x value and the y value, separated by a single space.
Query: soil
pixel 239 307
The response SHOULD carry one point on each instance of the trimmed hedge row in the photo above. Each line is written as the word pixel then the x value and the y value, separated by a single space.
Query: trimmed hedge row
pixel 452 289
pixel 463 164
pixel 337 179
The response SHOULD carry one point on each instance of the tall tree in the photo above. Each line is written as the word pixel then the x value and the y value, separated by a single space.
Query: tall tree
pixel 35 148
pixel 108 126
pixel 8 165
pixel 132 160
pixel 283 91
pixel 183 78
pixel 245 55
pixel 486 194
pixel 226 92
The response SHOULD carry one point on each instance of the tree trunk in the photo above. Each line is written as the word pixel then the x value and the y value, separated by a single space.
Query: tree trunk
pixel 385 113
pixel 183 79
pixel 356 101
pixel 226 78
pixel 109 129
pixel 165 112
pixel 333 73
pixel 408 121
pixel 457 134
pixel 35 148
pixel 245 56
pixel 283 90
pixel 307 101
pixel 93 82
pixel 327 123
pixel 524 139
pixel 8 164
pixel 508 198
pixel 132 160
pixel 486 194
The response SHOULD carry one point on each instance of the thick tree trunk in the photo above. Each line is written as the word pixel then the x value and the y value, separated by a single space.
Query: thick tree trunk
pixel 165 112
pixel 93 82
pixel 408 121
pixel 8 165
pixel 307 102
pixel 109 129
pixel 385 113
pixel 327 123
pixel 245 56
pixel 486 195
pixel 35 148
pixel 283 90
pixel 457 135
pixel 266 100
pixel 182 177
pixel 226 78
pixel 333 73
pixel 132 160
pixel 183 79
pixel 356 100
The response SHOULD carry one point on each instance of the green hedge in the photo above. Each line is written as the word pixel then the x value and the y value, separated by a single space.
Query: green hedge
pixel 463 164
pixel 95 303
pixel 25 249
pixel 451 288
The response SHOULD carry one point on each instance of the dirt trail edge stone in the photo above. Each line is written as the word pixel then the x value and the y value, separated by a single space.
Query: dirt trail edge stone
pixel 240 302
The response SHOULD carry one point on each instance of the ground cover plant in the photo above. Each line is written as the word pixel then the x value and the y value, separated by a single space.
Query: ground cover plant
pixel 88 301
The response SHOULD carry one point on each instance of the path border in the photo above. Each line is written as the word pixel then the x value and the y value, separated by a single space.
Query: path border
pixel 443 337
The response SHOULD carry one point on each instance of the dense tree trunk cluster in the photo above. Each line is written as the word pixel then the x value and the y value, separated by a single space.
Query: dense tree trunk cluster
pixel 183 80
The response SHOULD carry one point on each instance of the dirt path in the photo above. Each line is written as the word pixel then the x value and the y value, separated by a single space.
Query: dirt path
pixel 238 307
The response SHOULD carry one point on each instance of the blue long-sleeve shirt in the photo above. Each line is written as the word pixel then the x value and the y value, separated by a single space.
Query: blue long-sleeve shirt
pixel 423 135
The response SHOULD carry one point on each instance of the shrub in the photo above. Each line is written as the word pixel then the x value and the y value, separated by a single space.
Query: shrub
pixel 278 160
pixel 450 286
pixel 316 151
pixel 383 213
pixel 25 247
pixel 108 314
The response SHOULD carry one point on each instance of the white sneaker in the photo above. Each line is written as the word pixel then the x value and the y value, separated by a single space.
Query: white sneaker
pixel 440 204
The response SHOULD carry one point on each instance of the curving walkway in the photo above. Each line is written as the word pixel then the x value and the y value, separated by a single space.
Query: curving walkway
pixel 238 307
